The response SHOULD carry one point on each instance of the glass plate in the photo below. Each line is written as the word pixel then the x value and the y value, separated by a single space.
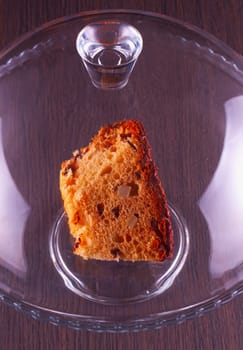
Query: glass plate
pixel 187 89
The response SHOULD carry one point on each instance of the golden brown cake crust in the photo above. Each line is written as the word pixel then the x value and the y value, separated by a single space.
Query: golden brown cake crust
pixel 113 198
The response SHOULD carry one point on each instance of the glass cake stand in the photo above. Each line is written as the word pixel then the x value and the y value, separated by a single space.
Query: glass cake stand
pixel 186 87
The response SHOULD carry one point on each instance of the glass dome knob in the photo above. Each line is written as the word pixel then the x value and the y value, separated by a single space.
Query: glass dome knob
pixel 109 50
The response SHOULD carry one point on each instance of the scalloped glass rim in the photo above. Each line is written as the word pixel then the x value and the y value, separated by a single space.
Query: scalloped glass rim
pixel 80 322
pixel 153 321
pixel 7 50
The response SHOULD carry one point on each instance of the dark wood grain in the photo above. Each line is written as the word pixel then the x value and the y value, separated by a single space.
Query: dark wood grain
pixel 221 329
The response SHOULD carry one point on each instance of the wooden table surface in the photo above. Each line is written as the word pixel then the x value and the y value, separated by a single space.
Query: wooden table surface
pixel 221 329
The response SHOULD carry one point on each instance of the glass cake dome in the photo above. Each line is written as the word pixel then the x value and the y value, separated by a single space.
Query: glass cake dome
pixel 58 85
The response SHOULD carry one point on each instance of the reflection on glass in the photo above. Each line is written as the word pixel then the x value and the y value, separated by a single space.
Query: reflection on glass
pixel 14 212
pixel 222 202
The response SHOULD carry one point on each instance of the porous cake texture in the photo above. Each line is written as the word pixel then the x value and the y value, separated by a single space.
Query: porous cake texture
pixel 114 201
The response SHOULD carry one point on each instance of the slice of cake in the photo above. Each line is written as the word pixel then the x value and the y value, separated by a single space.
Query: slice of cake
pixel 114 201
